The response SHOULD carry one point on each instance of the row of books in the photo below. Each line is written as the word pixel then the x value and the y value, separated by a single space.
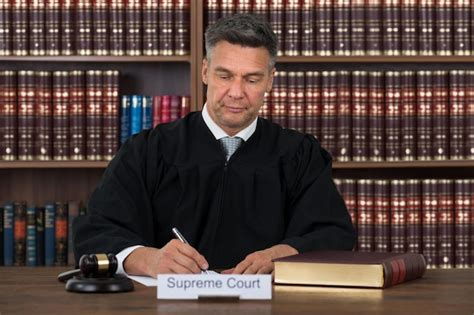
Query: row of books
pixel 59 115
pixel 99 27
pixel 379 115
pixel 139 112
pixel 429 216
pixel 360 27
pixel 37 236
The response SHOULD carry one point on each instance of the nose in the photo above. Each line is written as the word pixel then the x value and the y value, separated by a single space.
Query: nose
pixel 236 89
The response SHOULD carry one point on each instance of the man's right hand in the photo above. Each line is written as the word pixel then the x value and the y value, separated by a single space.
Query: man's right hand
pixel 174 257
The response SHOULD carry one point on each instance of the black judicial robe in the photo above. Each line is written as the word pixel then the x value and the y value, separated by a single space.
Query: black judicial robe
pixel 275 189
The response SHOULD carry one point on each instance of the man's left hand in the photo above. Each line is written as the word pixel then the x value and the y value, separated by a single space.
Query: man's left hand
pixel 260 262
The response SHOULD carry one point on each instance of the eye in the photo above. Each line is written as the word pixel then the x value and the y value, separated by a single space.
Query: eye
pixel 224 77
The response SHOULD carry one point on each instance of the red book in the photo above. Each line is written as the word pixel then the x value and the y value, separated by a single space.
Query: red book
pixel 182 29
pixel 373 27
pixel 19 237
pixel 292 38
pixel 175 107
pixel 243 6
pixel 391 19
pixel 343 117
pixel 61 110
pixel 445 224
pixel 457 112
pixel 313 103
pixel 376 116
pixel 462 34
pixel 292 105
pixel 279 98
pixel 165 108
pixel 61 233
pixel 469 116
pixel 100 27
pixel 265 110
pixel 26 115
pixel 6 28
pixel 398 216
pixel 83 29
pixel 349 194
pixel 308 32
pixel 211 7
pixel 36 27
pixel 117 27
pixel 462 222
pixel 444 27
pixel 94 115
pixel 20 27
pixel 227 7
pixel 111 107
pixel 381 215
pixel 8 115
pixel 430 222
pixel 133 28
pixel 185 106
pixel 156 110
pixel 324 28
pixel 426 27
pixel 43 116
pixel 358 27
pixel 409 29
pixel 414 216
pixel 328 111
pixel 440 115
pixel 424 123
pixel 393 116
pixel 342 27
pixel 277 9
pixel 165 25
pixel 360 112
pixel 408 112
pixel 77 117
pixel 67 29
pixel 52 27
pixel 365 215
pixel 150 27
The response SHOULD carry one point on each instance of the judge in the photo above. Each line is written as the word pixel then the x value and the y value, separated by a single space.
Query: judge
pixel 241 189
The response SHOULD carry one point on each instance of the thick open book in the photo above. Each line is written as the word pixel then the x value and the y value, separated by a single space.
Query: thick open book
pixel 345 268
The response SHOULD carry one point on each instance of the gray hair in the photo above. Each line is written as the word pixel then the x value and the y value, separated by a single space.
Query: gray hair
pixel 247 30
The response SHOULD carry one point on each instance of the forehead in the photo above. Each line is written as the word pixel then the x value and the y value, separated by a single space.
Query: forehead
pixel 238 58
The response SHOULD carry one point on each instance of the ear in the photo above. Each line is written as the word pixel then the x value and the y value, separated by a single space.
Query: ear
pixel 204 70
pixel 270 81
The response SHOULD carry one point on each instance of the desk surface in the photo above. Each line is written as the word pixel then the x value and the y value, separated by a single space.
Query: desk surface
pixel 25 290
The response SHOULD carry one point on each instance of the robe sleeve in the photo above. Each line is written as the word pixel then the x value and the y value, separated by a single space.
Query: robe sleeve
pixel 119 210
pixel 317 215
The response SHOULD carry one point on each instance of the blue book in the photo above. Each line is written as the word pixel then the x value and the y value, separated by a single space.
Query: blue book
pixel 49 234
pixel 124 118
pixel 31 236
pixel 147 119
pixel 1 236
pixel 8 232
pixel 136 106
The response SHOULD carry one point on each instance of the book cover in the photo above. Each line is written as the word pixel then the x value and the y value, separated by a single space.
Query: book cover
pixel 31 236
pixel 8 231
pixel 353 269
pixel 40 246
pixel 49 234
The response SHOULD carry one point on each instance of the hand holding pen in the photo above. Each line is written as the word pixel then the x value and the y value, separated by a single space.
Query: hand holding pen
pixel 180 236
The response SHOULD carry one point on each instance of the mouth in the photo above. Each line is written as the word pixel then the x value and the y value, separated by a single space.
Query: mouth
pixel 235 109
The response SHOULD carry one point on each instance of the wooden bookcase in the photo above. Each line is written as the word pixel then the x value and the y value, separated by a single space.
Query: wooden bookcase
pixel 38 182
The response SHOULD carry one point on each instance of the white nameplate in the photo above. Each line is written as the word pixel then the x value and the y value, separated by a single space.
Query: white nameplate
pixel 192 287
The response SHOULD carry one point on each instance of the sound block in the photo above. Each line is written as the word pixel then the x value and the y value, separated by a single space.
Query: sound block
pixel 113 284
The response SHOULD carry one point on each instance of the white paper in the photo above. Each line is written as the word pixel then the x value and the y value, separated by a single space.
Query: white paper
pixel 251 287
pixel 152 282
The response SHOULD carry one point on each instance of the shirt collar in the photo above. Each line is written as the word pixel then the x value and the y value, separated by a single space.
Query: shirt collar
pixel 217 131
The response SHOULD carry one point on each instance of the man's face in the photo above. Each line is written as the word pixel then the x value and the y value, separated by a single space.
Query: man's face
pixel 237 78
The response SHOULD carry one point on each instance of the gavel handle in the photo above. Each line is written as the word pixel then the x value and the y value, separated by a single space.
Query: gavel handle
pixel 64 276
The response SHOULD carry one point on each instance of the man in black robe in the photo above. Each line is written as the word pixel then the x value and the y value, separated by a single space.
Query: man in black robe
pixel 273 197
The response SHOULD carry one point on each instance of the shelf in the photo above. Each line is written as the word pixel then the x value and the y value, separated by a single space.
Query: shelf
pixel 53 164
pixel 403 164
pixel 361 59
pixel 98 58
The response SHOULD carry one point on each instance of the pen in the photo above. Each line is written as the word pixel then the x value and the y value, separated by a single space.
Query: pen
pixel 180 236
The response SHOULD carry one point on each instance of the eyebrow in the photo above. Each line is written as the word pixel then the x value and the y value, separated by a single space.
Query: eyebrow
pixel 256 73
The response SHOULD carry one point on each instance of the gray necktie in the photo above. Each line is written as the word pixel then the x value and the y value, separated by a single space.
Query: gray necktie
pixel 230 145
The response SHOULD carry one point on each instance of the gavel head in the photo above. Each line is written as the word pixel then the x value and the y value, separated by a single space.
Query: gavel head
pixel 98 265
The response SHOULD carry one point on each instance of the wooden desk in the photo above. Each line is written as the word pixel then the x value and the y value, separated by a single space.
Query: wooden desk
pixel 26 290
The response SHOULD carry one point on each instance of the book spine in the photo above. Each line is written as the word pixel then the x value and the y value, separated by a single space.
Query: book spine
pixel 391 27
pixel 77 116
pixel 44 117
pixel 403 269
pixel 150 27
pixel 324 27
pixel 26 114
pixel 444 27
pixel 393 116
pixel 440 115
pixel 376 116
pixel 398 216
pixel 373 27
pixel 73 213
pixel 49 234
pixel 165 108
pixel 358 27
pixel 291 89
pixel 9 115
pixel 175 105
pixel 40 240
pixel 67 30
pixel 94 115
pixel 83 27
pixel 1 236
pixel 445 224
pixel 61 115
pixel 227 8
pixel 349 194
pixel 165 22
pixel 36 27
pixel 328 111
pixel 186 105
pixel 19 238
pixel 243 6
pixel 8 236
pixel 308 102
pixel 125 130
pixel 365 212
pixel 424 116
pixel 6 28
pixel 381 215
pixel 20 27
pixel 409 27
pixel 60 229
pixel 182 22
pixel 266 110
pixel 308 32
pixel 117 27
pixel 52 27
pixel 279 98
pixel 360 111
pixel 292 39
pixel 136 115
pixel 426 27
pixel 31 236
pixel 147 111
pixel 277 19
pixel 212 9
pixel 316 101
pixel 111 114
pixel 457 109
pixel 430 222
pixel 133 27
pixel 469 115
pixel 462 34
pixel 100 27
pixel 408 119
pixel 299 101
pixel 462 209
pixel 342 25
pixel 414 216
pixel 343 117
